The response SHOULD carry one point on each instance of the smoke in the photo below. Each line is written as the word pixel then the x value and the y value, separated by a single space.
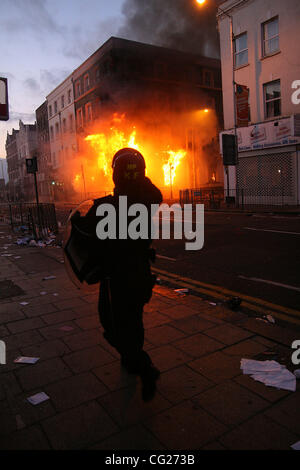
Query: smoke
pixel 177 24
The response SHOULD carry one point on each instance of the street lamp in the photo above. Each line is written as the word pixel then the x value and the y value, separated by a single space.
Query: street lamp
pixel 223 12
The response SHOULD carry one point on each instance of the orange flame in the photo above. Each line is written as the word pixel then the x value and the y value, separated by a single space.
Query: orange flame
pixel 97 170
pixel 170 167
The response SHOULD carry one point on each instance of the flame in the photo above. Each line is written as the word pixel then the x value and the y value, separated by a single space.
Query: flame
pixel 96 170
pixel 170 167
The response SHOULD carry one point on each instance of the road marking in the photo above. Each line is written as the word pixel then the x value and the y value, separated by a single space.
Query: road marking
pixel 252 303
pixel 166 257
pixel 274 231
pixel 279 284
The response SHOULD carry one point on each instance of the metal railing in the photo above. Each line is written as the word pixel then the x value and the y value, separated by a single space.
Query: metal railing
pixel 243 199
pixel 39 219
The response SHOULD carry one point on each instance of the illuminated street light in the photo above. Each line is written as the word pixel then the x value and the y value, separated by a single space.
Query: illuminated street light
pixel 201 2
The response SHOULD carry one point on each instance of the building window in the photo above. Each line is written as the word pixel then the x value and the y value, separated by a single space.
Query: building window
pixel 55 106
pixel 270 34
pixel 98 74
pixel 79 118
pixel 272 97
pixel 86 82
pixel 64 126
pixel 69 96
pixel 71 122
pixel 50 111
pixel 78 89
pixel 63 101
pixel 56 129
pixel 51 133
pixel 207 78
pixel 241 50
pixel 88 112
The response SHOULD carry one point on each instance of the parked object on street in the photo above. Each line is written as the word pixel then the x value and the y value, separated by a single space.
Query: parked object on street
pixel 234 303
pixel 271 373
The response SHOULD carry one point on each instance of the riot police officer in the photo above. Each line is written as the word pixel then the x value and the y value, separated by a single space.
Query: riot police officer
pixel 128 285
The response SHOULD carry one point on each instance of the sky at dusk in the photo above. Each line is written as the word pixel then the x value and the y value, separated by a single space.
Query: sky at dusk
pixel 42 41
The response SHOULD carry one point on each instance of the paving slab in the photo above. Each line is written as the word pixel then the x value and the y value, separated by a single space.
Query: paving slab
pixel 203 400
pixel 80 427
pixel 185 426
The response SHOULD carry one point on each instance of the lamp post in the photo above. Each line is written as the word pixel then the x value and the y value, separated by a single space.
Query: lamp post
pixel 232 38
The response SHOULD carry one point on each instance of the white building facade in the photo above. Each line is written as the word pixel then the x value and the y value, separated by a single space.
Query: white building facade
pixel 62 126
pixel 266 35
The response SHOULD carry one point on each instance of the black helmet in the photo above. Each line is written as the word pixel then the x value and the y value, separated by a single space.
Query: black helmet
pixel 128 166
pixel 128 155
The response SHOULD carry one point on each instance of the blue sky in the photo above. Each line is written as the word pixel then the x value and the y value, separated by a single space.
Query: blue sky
pixel 42 41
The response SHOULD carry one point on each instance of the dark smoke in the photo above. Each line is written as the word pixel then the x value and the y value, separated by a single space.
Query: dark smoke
pixel 177 24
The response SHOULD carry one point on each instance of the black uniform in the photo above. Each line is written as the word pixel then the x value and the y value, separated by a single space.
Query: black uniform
pixel 128 284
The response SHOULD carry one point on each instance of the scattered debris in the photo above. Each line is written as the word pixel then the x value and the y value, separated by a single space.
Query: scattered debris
pixel 270 319
pixel 234 303
pixel 212 303
pixel 43 293
pixel 38 398
pixel 47 278
pixel 55 294
pixel 7 254
pixel 271 373
pixel 181 291
pixel 24 303
pixel 66 328
pixel 26 360
pixel 296 446
pixel 17 257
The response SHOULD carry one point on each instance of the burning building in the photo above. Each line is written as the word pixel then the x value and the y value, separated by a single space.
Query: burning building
pixel 162 101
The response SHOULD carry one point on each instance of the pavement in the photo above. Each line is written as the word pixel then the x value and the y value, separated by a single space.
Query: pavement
pixel 203 400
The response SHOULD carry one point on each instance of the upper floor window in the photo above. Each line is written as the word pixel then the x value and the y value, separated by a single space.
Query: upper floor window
pixel 207 78
pixel 69 96
pixel 55 106
pixel 71 122
pixel 78 89
pixel 63 101
pixel 64 126
pixel 50 111
pixel 56 129
pixel 86 82
pixel 241 50
pixel 79 118
pixel 270 34
pixel 51 133
pixel 272 98
pixel 88 112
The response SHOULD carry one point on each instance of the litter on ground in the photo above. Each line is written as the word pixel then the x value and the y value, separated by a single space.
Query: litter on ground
pixel 181 291
pixel 47 278
pixel 271 373
pixel 26 360
pixel 38 398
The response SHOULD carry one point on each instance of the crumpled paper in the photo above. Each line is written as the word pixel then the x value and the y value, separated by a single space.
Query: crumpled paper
pixel 271 373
